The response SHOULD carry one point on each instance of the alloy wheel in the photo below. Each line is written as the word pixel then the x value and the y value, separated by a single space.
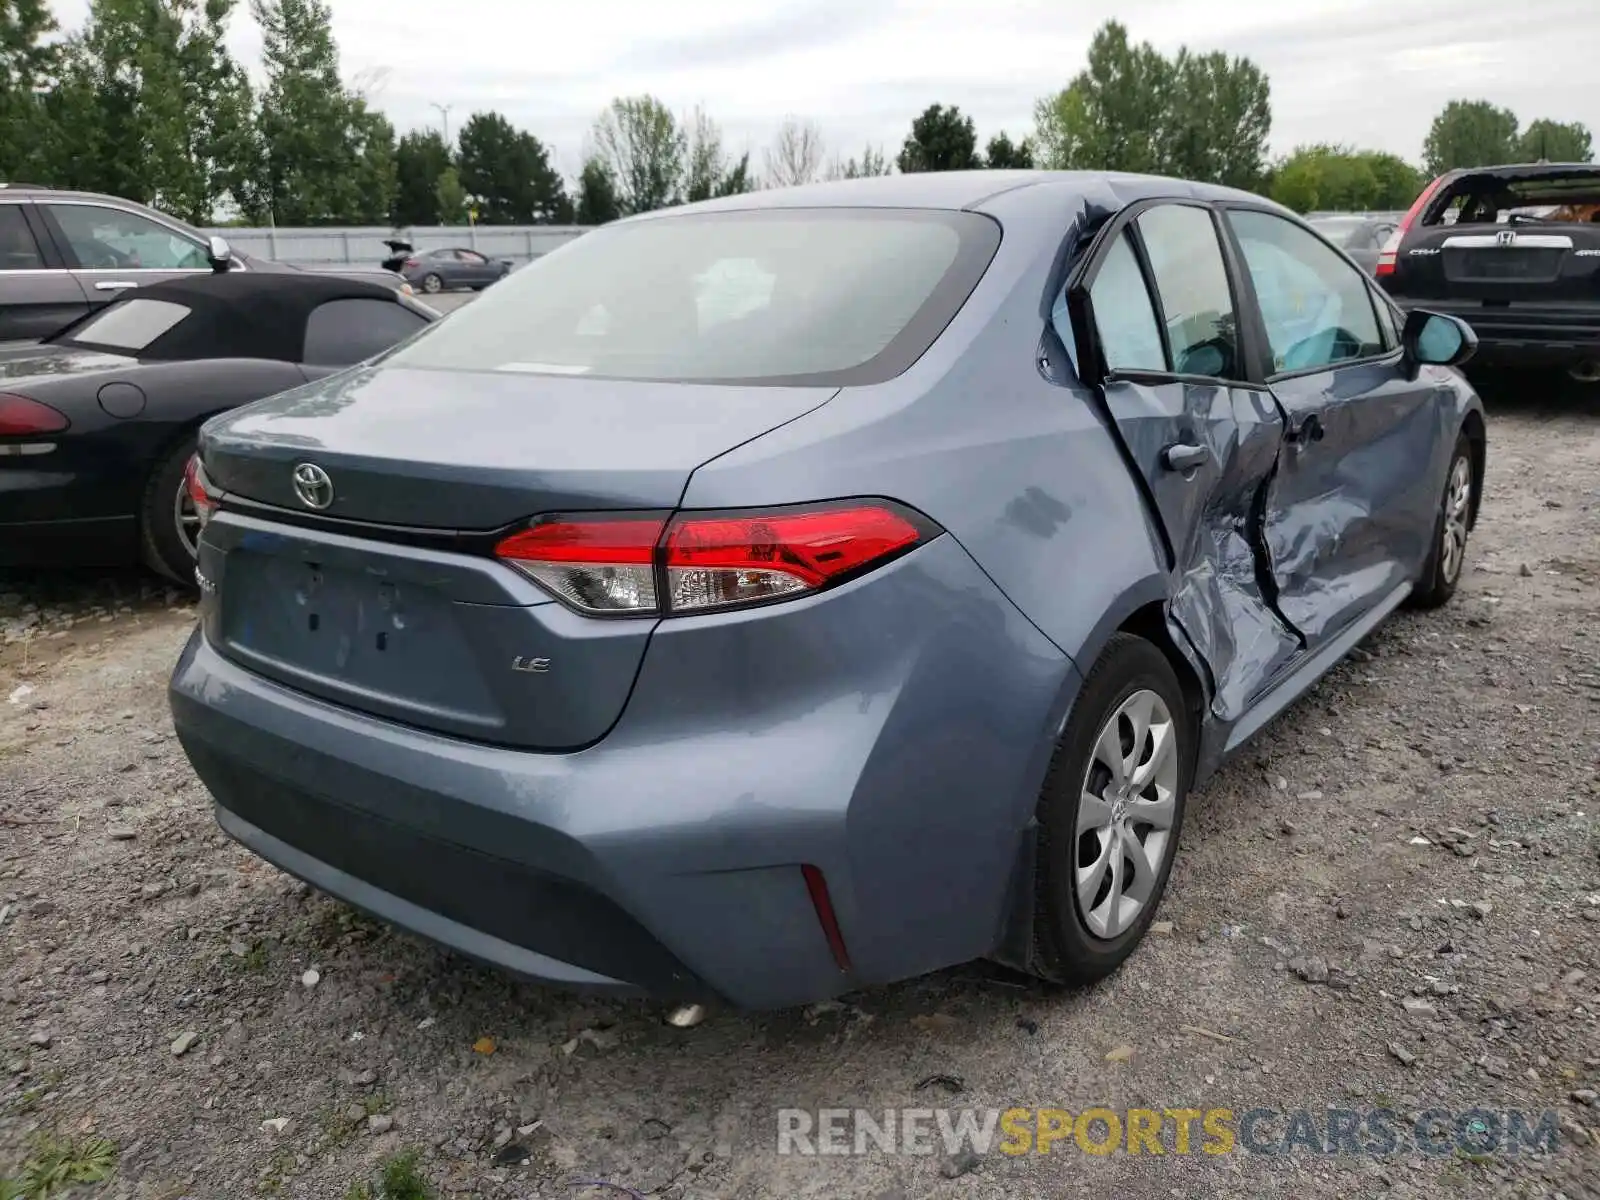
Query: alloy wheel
pixel 186 520
pixel 1457 503
pixel 1125 814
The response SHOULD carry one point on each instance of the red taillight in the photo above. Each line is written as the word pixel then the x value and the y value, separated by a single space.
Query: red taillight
pixel 199 489
pixel 413 262
pixel 612 565
pixel 22 417
pixel 596 564
pixel 1389 255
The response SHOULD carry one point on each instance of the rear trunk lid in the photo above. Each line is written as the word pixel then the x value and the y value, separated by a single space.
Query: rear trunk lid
pixel 1545 263
pixel 387 599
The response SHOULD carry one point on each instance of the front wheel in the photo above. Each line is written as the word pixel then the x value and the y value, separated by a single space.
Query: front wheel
pixel 432 284
pixel 169 527
pixel 1442 572
pixel 1110 814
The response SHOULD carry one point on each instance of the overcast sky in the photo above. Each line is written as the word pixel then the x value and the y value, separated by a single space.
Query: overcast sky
pixel 1363 71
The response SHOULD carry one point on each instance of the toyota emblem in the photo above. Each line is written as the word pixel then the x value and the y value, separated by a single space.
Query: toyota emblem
pixel 312 485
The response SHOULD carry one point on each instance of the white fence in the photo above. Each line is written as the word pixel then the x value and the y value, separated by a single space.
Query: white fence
pixel 341 246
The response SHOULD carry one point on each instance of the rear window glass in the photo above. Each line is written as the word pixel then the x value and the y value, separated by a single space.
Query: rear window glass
pixel 1496 200
pixel 129 324
pixel 790 296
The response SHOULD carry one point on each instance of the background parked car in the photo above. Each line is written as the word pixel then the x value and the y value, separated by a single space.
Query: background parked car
pixel 63 254
pixel 98 421
pixel 450 268
pixel 1515 252
pixel 766 599
pixel 1361 236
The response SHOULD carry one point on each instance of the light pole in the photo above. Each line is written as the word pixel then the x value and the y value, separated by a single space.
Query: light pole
pixel 444 116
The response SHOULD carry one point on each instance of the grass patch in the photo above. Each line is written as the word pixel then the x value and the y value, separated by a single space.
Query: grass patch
pixel 402 1179
pixel 399 1179
pixel 56 1163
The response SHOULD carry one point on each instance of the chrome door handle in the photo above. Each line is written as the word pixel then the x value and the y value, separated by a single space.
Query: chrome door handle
pixel 113 285
pixel 1183 457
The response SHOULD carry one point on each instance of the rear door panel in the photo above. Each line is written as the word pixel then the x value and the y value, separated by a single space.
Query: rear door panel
pixel 38 295
pixel 1204 449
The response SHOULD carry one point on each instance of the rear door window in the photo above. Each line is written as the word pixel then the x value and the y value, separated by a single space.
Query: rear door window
pixel 1124 318
pixel 18 250
pixel 773 296
pixel 341 333
pixel 1192 286
pixel 1316 306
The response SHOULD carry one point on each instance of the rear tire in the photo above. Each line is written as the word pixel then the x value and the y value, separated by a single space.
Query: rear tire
pixel 1110 814
pixel 432 284
pixel 1447 557
pixel 162 542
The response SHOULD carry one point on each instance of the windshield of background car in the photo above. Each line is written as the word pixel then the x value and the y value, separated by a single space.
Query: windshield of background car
pixel 128 325
pixel 772 296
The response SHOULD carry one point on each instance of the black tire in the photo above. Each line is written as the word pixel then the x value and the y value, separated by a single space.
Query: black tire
pixel 1066 949
pixel 1440 576
pixel 160 546
pixel 432 284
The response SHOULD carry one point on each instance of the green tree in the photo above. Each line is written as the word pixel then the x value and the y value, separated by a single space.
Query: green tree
pixel 597 195
pixel 643 150
pixel 941 139
pixel 1470 133
pixel 29 64
pixel 1199 116
pixel 709 170
pixel 872 162
pixel 321 153
pixel 149 105
pixel 420 159
pixel 1217 121
pixel 509 170
pixel 449 198
pixel 1002 154
pixel 1557 142
pixel 1398 181
pixel 1114 115
pixel 1333 178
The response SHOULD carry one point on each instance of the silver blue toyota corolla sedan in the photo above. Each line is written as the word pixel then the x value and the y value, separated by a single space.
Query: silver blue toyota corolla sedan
pixel 810 589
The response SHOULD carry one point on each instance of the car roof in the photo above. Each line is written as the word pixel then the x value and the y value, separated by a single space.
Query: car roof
pixel 242 314
pixel 1528 170
pixel 954 190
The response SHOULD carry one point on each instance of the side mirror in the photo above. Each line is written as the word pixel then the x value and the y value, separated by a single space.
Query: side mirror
pixel 1437 339
pixel 218 253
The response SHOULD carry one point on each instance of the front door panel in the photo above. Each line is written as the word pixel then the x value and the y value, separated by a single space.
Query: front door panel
pixel 1350 513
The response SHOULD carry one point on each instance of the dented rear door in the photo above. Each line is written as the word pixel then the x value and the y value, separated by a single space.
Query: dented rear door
pixel 1156 298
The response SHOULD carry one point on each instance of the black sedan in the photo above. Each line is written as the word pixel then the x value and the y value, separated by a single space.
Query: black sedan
pixel 98 422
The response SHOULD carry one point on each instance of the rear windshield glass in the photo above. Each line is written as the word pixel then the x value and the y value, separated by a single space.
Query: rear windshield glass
pixel 827 296
pixel 1497 200
pixel 129 324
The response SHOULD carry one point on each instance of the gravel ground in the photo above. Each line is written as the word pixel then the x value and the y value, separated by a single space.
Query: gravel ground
pixel 1392 899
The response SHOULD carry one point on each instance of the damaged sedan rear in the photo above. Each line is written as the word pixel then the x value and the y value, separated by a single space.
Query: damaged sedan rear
pixel 814 588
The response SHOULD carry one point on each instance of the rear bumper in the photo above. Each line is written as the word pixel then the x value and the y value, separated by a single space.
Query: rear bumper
pixel 892 733
pixel 1525 334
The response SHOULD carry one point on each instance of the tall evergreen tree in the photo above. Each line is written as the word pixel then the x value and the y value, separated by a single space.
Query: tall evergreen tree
pixel 420 159
pixel 509 170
